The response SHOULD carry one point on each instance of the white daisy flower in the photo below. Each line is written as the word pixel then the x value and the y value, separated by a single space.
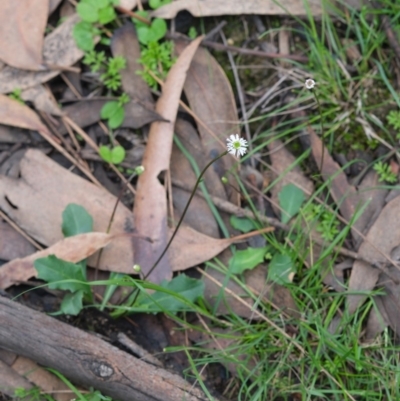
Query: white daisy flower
pixel 309 84
pixel 236 146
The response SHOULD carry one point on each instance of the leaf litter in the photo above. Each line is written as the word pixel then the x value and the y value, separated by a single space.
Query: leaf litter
pixel 37 195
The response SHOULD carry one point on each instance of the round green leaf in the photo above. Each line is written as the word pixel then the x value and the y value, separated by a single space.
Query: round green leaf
pixel 87 12
pixel 117 155
pixel 83 36
pixel 106 15
pixel 105 153
pixel 157 31
pixel 281 269
pixel 117 118
pixel 246 259
pixel 76 220
pixel 108 110
pixel 291 198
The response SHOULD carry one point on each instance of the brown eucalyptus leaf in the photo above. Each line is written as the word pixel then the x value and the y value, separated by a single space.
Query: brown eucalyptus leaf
pixel 150 208
pixel 382 238
pixel 22 34
pixel 36 199
pixel 59 49
pixel 42 378
pixel 12 243
pixel 41 99
pixel 87 112
pixel 211 98
pixel 124 43
pixel 20 115
pixel 224 340
pixel 208 8
pixel 128 4
pixel 199 215
pixel 371 197
pixel 72 249
pixel 216 283
pixel 282 161
pixel 377 320
pixel 344 194
pixel 53 4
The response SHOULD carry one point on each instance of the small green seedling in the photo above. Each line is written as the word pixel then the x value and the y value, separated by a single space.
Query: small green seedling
pixel 327 223
pixel 92 13
pixel 384 172
pixel 156 57
pixel 67 276
pixel 16 95
pixel 291 198
pixel 113 111
pixel 247 259
pixel 281 269
pixel 113 155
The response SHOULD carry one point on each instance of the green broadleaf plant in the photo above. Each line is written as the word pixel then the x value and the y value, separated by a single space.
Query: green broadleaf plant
pixel 247 259
pixel 242 224
pixel 281 269
pixel 76 220
pixel 291 198
pixel 113 155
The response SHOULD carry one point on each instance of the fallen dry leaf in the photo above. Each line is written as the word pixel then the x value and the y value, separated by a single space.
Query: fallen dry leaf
pixel 59 49
pixel 199 215
pixel 344 194
pixel 371 197
pixel 41 99
pixel 216 284
pixel 87 112
pixel 127 4
pixel 36 199
pixel 19 115
pixel 21 35
pixel 210 96
pixel 150 208
pixel 224 340
pixel 208 8
pixel 53 4
pixel 42 378
pixel 282 162
pixel 12 243
pixel 124 43
pixel 72 249
pixel 382 238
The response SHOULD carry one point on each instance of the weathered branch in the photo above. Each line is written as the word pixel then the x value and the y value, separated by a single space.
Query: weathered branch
pixel 86 359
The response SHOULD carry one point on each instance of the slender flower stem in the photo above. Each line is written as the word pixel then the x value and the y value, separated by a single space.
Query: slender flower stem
pixel 199 178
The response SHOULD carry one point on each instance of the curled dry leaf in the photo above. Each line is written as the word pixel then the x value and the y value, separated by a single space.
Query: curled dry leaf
pixel 208 8
pixel 22 35
pixel 150 209
pixel 59 49
pixel 72 249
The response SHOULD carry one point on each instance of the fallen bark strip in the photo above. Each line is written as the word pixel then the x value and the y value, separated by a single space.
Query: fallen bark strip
pixel 86 359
